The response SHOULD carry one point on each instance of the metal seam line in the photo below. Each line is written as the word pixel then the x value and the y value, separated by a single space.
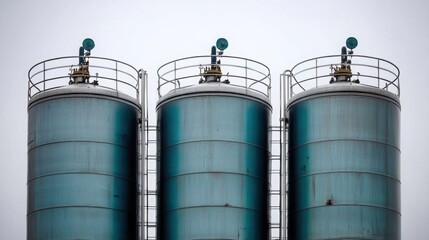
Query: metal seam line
pixel 78 206
pixel 345 171
pixel 213 140
pixel 345 140
pixel 213 172
pixel 346 205
pixel 79 141
pixel 212 206
pixel 76 173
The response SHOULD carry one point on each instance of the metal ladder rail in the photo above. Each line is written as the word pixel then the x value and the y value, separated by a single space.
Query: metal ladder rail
pixel 275 185
pixel 150 184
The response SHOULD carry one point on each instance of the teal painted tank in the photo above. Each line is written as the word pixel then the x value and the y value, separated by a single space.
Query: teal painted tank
pixel 344 163
pixel 213 160
pixel 344 148
pixel 82 156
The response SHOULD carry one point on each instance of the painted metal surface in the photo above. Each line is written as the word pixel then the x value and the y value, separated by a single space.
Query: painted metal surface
pixel 344 164
pixel 82 160
pixel 212 165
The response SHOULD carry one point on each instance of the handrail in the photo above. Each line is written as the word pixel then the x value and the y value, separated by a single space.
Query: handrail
pixel 316 72
pixel 110 74
pixel 186 72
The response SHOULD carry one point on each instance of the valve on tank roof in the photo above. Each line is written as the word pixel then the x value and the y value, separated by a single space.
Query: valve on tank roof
pixel 214 72
pixel 81 73
pixel 343 73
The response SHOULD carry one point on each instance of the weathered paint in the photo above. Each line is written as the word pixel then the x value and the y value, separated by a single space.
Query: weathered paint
pixel 82 155
pixel 344 164
pixel 213 167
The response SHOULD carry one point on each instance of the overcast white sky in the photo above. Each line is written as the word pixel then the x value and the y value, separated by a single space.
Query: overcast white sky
pixel 279 33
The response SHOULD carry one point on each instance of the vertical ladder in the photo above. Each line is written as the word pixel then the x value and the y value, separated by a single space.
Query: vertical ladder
pixel 275 183
pixel 150 164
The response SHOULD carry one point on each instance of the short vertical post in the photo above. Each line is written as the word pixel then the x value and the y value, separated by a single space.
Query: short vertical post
pixel 245 72
pixel 44 76
pixel 116 70
pixel 175 75
pixel 317 68
pixel 378 72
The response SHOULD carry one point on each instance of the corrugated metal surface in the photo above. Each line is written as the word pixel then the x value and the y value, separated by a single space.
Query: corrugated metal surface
pixel 82 156
pixel 213 167
pixel 344 165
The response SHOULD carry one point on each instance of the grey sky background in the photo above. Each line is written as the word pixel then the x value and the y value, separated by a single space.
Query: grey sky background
pixel 278 33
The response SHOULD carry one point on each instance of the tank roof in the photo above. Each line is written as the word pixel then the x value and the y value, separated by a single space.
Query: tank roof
pixel 346 88
pixel 214 88
pixel 82 89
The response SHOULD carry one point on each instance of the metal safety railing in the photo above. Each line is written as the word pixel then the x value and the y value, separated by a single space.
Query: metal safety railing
pixel 235 71
pixel 365 70
pixel 104 72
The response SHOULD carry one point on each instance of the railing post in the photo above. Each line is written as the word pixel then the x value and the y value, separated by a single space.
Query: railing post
pixel 159 87
pixel 288 85
pixel 317 82
pixel 378 72
pixel 139 77
pixel 116 71
pixel 397 87
pixel 44 76
pixel 175 75
pixel 245 72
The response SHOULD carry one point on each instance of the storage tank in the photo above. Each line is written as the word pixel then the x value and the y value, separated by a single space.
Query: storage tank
pixel 213 150
pixel 82 149
pixel 344 149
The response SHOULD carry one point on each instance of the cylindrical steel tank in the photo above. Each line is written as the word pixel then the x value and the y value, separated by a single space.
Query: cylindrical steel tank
pixel 213 149
pixel 82 163
pixel 213 159
pixel 344 163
